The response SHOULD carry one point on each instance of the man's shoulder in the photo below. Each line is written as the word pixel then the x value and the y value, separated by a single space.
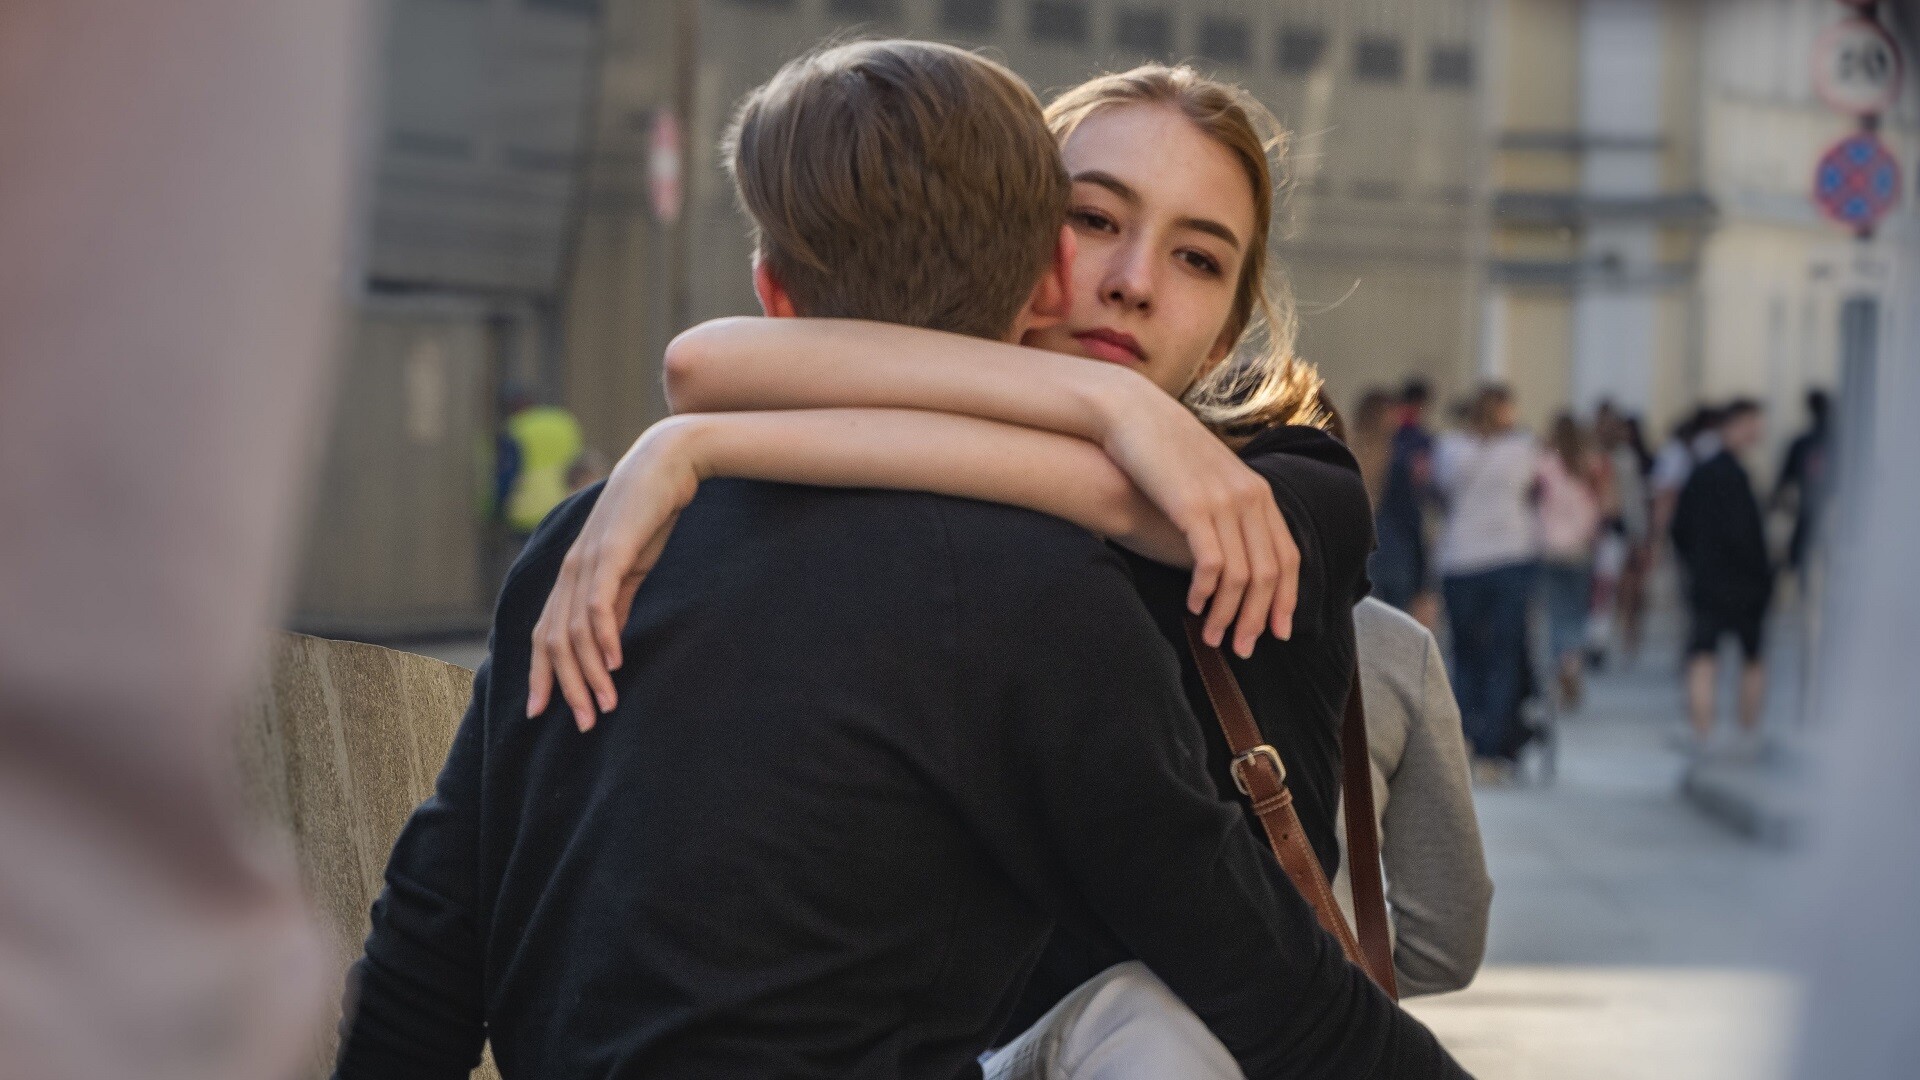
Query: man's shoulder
pixel 1320 474
pixel 538 563
pixel 1017 549
pixel 1722 469
pixel 1389 634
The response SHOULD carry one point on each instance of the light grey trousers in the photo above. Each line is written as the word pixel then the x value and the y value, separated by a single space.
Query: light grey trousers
pixel 1122 1024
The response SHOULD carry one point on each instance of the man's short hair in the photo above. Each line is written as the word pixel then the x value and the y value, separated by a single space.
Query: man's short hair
pixel 903 181
pixel 1738 409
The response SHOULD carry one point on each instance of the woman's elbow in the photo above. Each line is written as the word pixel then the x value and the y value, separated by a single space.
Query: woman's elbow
pixel 686 365
pixel 1450 974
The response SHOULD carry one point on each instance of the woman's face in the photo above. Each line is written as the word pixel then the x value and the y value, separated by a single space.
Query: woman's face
pixel 1162 217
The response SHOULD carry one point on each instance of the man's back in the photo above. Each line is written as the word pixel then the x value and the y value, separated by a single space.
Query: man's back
pixel 1718 533
pixel 741 870
pixel 870 747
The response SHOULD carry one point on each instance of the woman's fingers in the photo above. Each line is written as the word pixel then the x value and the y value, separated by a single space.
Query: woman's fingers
pixel 1263 567
pixel 1286 594
pixel 1203 540
pixel 555 641
pixel 604 616
pixel 541 675
pixel 1233 580
pixel 587 656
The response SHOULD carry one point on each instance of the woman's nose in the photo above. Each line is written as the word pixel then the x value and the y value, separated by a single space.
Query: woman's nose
pixel 1129 283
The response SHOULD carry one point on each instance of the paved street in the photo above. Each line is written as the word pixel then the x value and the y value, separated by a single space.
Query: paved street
pixel 1630 934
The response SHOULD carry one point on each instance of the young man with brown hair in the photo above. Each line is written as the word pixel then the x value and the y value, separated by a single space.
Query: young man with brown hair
pixel 870 747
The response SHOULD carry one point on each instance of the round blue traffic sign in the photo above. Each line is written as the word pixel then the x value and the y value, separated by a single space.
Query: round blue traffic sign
pixel 1857 181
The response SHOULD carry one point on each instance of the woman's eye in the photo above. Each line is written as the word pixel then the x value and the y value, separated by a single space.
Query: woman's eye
pixel 1201 261
pixel 1093 219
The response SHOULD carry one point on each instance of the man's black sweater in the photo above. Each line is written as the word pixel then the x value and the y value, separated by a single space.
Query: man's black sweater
pixel 870 748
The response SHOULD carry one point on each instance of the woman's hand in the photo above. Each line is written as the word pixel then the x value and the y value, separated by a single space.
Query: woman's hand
pixel 1246 565
pixel 576 643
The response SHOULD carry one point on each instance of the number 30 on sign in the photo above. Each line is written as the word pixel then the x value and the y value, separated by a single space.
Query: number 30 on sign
pixel 1856 67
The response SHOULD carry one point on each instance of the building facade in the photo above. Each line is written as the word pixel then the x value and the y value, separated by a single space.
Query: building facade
pixel 1384 216
pixel 548 209
pixel 1655 241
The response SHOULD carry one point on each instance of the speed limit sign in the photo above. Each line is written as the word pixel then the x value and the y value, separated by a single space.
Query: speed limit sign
pixel 1856 67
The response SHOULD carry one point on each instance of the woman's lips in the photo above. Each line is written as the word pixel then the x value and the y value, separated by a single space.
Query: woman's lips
pixel 1111 346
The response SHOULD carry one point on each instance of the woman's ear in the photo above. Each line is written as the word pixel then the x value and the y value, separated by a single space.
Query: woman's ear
pixel 774 300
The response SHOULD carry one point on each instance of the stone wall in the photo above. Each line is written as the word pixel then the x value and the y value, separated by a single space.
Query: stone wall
pixel 340 745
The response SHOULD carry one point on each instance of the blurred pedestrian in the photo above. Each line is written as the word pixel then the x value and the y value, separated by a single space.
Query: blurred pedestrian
pixel 1721 542
pixel 1399 567
pixel 174 203
pixel 1804 482
pixel 1692 442
pixel 1567 503
pixel 1376 419
pixel 1487 556
pixel 1621 600
pixel 539 445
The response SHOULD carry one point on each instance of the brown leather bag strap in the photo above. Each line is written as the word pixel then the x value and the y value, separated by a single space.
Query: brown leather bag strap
pixel 1363 844
pixel 1262 777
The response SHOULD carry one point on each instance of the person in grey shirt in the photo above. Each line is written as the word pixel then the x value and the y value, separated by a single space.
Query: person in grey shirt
pixel 1437 885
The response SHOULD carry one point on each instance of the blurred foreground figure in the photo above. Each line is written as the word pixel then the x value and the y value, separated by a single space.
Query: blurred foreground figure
pixel 172 199
pixel 1862 944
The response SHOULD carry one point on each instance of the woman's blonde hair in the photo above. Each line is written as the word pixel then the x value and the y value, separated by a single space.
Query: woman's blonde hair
pixel 1261 383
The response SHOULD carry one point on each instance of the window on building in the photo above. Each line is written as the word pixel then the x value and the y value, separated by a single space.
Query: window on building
pixel 1061 21
pixel 1378 59
pixel 1229 41
pixel 1299 49
pixel 864 9
pixel 1149 33
pixel 1450 66
pixel 569 7
pixel 535 159
pixel 970 16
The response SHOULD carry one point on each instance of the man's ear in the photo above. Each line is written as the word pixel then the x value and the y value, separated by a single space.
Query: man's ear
pixel 774 300
pixel 1052 297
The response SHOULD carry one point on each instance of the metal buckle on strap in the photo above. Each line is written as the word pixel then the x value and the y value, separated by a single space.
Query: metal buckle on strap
pixel 1262 751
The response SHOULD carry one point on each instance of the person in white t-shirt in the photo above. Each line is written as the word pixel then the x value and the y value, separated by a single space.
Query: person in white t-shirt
pixel 1694 440
pixel 1486 557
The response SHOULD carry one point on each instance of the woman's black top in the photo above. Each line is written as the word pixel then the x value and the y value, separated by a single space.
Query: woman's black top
pixel 1297 689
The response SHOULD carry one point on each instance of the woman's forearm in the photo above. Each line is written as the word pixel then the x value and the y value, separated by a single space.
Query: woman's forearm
pixel 744 363
pixel 914 450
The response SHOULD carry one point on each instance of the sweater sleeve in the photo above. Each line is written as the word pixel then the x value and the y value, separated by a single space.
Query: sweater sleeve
pixel 414 1007
pixel 1437 882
